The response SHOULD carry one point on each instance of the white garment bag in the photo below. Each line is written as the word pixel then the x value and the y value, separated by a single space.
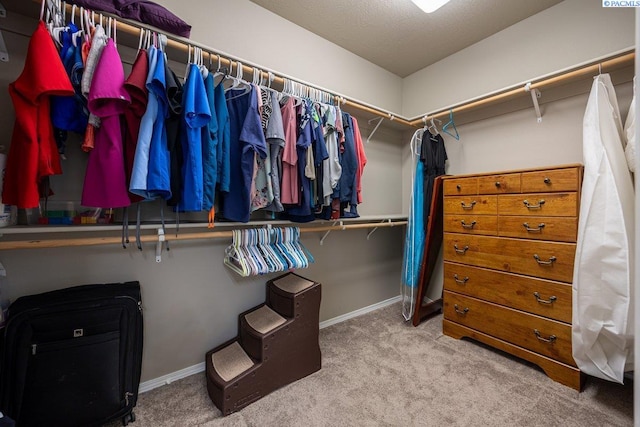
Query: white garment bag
pixel 630 132
pixel 603 272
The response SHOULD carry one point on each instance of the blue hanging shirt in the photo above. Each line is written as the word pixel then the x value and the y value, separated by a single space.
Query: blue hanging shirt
pixel 140 170
pixel 348 161
pixel 196 115
pixel 158 177
pixel 246 140
pixel 223 156
pixel 70 112
pixel 210 148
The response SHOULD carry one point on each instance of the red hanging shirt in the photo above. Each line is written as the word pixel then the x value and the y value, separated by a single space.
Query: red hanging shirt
pixel 33 153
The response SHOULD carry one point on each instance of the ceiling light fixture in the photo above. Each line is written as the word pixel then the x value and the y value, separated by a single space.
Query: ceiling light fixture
pixel 429 6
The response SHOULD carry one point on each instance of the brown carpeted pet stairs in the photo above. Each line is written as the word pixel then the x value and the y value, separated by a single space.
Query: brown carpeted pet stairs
pixel 277 345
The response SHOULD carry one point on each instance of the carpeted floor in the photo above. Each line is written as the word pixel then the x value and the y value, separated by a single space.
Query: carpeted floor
pixel 378 370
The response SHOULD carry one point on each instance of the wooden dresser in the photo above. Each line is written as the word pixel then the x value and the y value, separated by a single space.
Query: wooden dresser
pixel 509 246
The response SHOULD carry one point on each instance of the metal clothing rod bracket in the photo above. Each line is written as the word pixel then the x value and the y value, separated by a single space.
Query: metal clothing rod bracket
pixel 324 236
pixel 159 243
pixel 379 120
pixel 535 94
pixel 375 228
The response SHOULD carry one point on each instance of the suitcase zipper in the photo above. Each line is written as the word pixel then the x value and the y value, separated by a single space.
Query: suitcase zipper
pixel 33 349
pixel 126 398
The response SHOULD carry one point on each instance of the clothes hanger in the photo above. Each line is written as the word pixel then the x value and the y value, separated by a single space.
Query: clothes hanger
pixel 56 21
pixel 279 247
pixel 203 70
pixel 241 253
pixel 261 263
pixel 234 258
pixel 299 248
pixel 78 34
pixel 238 83
pixel 259 247
pixel 281 264
pixel 238 80
pixel 140 40
pixel 188 66
pixel 273 246
pixel 220 71
pixel 300 261
pixel 452 124
pixel 433 129
pixel 113 34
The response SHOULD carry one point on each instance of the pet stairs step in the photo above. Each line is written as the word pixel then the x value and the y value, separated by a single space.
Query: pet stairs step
pixel 231 361
pixel 292 283
pixel 286 294
pixel 257 329
pixel 264 319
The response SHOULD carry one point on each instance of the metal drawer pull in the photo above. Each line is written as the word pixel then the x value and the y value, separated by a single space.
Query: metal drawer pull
pixel 470 206
pixel 530 206
pixel 551 299
pixel 458 187
pixel 468 226
pixel 533 229
pixel 461 251
pixel 463 312
pixel 497 183
pixel 551 339
pixel 550 262
pixel 547 180
pixel 463 281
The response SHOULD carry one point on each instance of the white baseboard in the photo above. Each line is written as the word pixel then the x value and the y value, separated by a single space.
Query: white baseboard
pixel 360 312
pixel 200 367
pixel 169 378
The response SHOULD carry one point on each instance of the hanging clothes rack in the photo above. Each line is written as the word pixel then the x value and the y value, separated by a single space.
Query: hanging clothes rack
pixel 605 64
pixel 227 60
pixel 614 62
pixel 96 241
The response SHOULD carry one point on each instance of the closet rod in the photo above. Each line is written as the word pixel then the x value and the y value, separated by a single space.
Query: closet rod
pixel 227 60
pixel 148 238
pixel 573 75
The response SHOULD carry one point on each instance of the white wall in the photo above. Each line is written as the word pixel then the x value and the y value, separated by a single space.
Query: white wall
pixel 570 33
pixel 251 32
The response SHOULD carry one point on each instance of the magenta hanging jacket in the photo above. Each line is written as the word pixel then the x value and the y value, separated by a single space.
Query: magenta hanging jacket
pixel 143 11
pixel 104 182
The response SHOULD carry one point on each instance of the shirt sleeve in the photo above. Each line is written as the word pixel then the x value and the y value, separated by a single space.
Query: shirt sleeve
pixel 251 133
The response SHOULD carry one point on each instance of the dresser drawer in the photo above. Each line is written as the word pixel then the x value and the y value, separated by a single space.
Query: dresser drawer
pixel 539 204
pixel 544 336
pixel 551 180
pixel 554 228
pixel 497 184
pixel 538 296
pixel 548 260
pixel 460 186
pixel 471 224
pixel 476 205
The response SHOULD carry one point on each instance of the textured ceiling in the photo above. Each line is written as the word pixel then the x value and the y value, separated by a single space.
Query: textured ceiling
pixel 396 34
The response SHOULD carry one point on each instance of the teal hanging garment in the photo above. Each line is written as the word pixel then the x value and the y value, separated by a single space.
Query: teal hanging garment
pixel 414 240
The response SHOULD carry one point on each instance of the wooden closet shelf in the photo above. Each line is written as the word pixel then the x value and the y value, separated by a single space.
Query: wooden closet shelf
pixel 314 227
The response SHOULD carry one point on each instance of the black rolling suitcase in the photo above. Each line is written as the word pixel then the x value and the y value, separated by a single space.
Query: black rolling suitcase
pixel 72 357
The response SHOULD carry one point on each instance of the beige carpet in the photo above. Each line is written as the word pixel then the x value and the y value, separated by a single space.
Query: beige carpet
pixel 378 370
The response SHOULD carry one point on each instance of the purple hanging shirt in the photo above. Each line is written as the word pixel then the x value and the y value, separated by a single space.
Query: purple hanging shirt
pixel 104 182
